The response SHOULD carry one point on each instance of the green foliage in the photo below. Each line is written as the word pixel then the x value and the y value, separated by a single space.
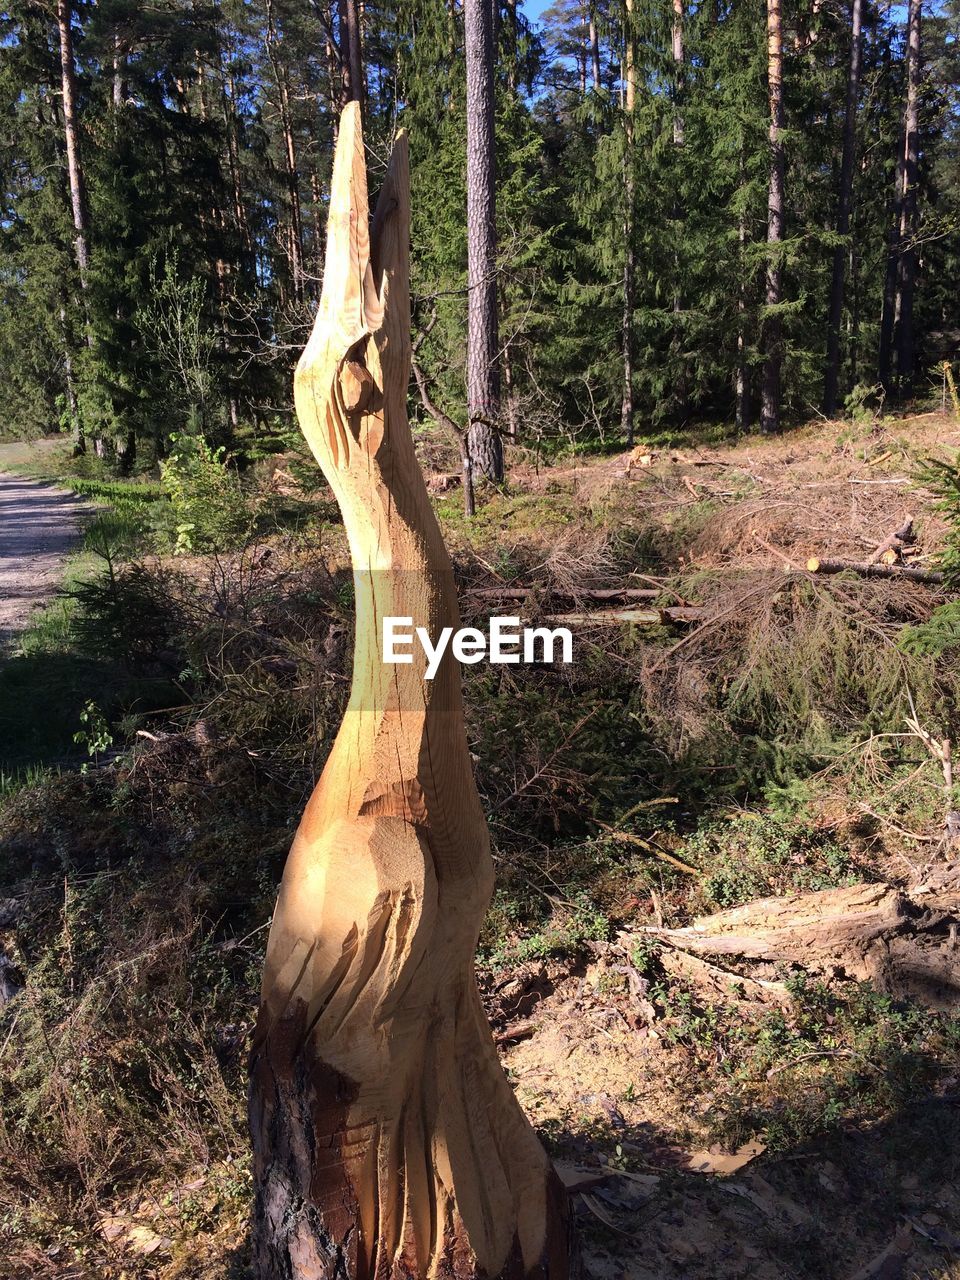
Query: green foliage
pixel 207 508
pixel 943 478
pixel 569 928
pixel 95 737
pixel 841 1052
pixel 756 856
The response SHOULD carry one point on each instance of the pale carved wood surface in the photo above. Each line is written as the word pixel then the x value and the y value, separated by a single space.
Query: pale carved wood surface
pixel 387 1141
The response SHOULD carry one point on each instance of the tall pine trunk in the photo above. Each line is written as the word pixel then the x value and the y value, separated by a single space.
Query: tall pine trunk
pixel 78 196
pixel 907 272
pixel 71 129
pixel 899 277
pixel 351 53
pixel 594 39
pixel 678 68
pixel 629 198
pixel 773 324
pixel 295 227
pixel 483 380
pixel 844 203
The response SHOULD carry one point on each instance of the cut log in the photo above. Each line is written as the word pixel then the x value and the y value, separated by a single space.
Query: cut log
pixel 387 1141
pixel 600 595
pixel 903 941
pixel 681 614
pixel 866 569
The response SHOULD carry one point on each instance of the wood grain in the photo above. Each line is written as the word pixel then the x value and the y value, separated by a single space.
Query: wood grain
pixel 387 1141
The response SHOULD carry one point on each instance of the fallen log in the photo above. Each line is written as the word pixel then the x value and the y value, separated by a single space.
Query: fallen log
pixel 868 570
pixel 636 617
pixel 601 595
pixel 902 940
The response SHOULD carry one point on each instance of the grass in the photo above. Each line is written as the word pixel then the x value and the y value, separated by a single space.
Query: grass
pixel 47 680
pixel 842 1053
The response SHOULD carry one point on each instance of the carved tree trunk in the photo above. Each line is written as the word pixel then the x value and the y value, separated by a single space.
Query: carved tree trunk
pixel 387 1141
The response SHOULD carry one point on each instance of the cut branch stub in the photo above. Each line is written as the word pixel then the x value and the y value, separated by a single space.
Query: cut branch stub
pixel 387 1141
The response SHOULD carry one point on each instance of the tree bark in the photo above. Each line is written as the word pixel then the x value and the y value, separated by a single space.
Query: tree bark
pixel 69 384
pixel 773 324
pixel 387 1141
pixel 832 374
pixel 742 381
pixel 678 67
pixel 903 216
pixel 71 129
pixel 907 269
pixel 594 47
pixel 351 53
pixel 483 378
pixel 629 197
pixel 295 229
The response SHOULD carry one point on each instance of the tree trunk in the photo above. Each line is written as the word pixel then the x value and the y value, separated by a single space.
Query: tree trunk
pixel 678 67
pixel 832 376
pixel 907 270
pixel 69 384
pixel 629 196
pixel 742 385
pixel 351 53
pixel 295 230
pixel 387 1141
pixel 892 299
pixel 773 324
pixel 594 48
pixel 228 109
pixel 483 379
pixel 888 304
pixel 513 45
pixel 71 129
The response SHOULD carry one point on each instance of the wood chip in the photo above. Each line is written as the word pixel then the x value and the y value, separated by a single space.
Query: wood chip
pixel 723 1163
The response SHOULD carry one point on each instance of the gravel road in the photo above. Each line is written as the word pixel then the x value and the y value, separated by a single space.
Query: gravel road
pixel 39 526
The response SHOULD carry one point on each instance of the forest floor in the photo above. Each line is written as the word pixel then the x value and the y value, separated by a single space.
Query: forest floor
pixel 39 526
pixel 713 1119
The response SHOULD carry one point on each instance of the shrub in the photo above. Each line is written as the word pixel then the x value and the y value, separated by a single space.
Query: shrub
pixel 207 511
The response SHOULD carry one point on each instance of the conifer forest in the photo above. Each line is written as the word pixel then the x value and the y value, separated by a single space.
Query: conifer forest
pixel 703 212
pixel 479 640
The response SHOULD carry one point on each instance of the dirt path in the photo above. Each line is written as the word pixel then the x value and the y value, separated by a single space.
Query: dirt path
pixel 39 526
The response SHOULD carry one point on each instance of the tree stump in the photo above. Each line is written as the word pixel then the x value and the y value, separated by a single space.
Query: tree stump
pixel 387 1141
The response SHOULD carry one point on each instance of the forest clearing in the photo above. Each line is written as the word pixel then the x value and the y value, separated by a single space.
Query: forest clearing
pixel 479 632
pixel 765 750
